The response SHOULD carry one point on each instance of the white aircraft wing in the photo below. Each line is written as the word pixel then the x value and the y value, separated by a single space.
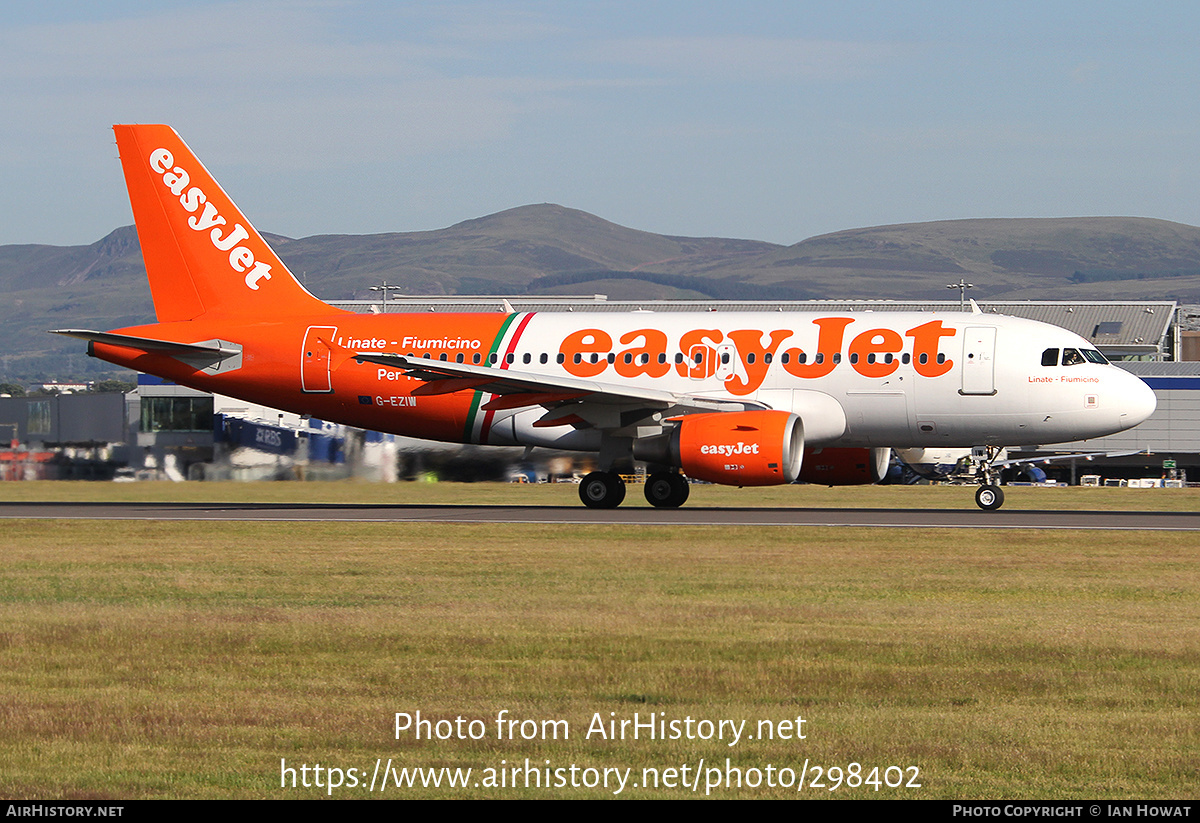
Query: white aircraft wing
pixel 595 403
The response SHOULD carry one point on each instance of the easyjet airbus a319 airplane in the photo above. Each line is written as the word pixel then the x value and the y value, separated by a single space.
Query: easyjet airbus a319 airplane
pixel 739 398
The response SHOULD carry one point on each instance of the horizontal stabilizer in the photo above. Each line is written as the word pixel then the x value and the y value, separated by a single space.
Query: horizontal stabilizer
pixel 210 356
pixel 149 344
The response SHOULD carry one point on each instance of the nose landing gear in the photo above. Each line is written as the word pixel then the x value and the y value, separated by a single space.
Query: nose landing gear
pixel 989 496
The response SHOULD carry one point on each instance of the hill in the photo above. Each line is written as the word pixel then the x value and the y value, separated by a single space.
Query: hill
pixel 549 249
pixel 1086 258
pixel 527 250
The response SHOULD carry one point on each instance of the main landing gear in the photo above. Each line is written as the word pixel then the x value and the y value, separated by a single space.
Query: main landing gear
pixel 606 490
pixel 602 490
pixel 666 490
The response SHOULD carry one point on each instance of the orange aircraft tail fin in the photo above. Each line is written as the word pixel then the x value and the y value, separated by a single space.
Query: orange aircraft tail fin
pixel 203 258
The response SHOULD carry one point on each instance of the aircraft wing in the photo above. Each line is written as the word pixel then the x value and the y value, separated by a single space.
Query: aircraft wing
pixel 571 399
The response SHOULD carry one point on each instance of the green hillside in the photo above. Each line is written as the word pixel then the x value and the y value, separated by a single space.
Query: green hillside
pixel 549 249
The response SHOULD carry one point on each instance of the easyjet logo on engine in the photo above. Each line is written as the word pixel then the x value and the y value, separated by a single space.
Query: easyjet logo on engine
pixel 646 352
pixel 241 259
pixel 729 450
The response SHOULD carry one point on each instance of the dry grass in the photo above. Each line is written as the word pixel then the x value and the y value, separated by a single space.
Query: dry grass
pixel 185 659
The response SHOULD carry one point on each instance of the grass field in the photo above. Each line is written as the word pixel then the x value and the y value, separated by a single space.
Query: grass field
pixel 144 659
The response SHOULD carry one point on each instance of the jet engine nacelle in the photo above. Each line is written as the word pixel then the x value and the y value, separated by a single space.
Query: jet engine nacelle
pixel 845 467
pixel 750 448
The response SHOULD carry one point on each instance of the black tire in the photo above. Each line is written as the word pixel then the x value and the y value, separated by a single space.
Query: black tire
pixel 989 498
pixel 602 490
pixel 666 490
pixel 685 488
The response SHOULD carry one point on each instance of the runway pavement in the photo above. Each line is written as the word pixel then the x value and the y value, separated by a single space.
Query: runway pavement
pixel 966 518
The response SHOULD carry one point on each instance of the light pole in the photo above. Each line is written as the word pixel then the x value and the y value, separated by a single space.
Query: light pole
pixel 962 286
pixel 384 288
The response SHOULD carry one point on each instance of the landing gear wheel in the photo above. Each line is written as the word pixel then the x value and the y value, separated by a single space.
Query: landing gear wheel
pixel 989 498
pixel 666 490
pixel 602 490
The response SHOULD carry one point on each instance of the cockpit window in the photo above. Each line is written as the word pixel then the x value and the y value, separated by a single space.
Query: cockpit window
pixel 1072 357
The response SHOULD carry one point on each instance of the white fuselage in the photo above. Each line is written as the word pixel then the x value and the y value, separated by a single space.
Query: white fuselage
pixel 856 379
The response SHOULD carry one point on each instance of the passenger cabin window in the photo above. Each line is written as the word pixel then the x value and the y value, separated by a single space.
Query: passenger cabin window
pixel 1050 357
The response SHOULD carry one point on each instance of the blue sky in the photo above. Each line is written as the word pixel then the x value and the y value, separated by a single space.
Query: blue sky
pixel 764 120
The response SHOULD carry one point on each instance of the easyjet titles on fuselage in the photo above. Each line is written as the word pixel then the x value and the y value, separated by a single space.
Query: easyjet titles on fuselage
pixel 875 352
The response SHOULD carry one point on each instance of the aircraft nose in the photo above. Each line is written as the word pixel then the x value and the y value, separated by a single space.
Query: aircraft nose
pixel 1138 402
